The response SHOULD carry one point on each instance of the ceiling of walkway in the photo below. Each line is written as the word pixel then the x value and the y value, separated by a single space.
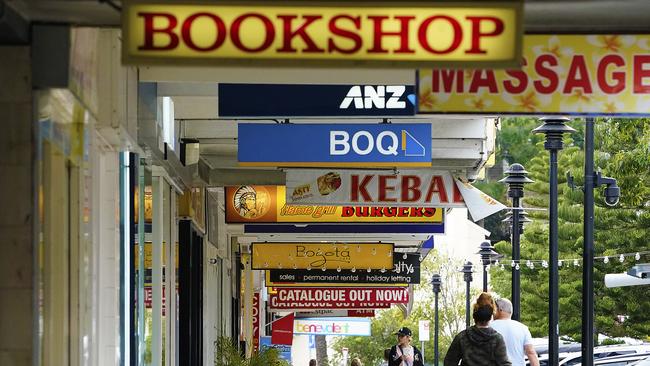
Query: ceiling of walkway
pixel 541 16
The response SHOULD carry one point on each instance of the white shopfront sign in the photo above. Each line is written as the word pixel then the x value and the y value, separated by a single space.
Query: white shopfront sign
pixel 402 189
pixel 332 326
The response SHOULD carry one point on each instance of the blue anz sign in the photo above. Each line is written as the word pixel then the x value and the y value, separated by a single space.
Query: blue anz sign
pixel 296 100
pixel 338 145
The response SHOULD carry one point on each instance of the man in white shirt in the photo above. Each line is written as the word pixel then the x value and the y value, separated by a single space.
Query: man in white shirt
pixel 519 342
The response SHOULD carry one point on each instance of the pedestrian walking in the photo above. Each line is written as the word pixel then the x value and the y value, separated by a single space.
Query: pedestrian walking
pixel 479 345
pixel 519 342
pixel 403 353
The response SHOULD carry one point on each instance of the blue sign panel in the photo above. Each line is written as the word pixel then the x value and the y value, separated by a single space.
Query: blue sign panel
pixel 296 100
pixel 362 145
pixel 285 350
pixel 438 228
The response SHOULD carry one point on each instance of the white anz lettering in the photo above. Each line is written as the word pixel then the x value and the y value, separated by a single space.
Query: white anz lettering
pixel 379 97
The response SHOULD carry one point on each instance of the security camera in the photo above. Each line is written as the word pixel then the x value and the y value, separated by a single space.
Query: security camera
pixel 612 191
pixel 612 194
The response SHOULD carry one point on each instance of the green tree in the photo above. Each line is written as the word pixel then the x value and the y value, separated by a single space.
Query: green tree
pixel 623 151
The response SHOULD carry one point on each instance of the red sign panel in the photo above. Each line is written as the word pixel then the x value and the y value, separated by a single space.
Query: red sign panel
pixel 256 322
pixel 338 298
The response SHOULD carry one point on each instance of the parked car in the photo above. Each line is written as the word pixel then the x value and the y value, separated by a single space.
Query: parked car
pixel 575 358
pixel 624 360
pixel 644 362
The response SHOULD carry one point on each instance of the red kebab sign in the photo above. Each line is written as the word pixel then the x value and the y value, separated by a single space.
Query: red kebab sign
pixel 407 190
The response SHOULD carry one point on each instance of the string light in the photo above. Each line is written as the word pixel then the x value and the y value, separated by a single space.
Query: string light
pixel 374 251
pixel 405 256
pixel 323 269
pixel 368 270
pixel 354 269
pixel 383 270
pixel 338 269
pixel 570 262
pixel 421 258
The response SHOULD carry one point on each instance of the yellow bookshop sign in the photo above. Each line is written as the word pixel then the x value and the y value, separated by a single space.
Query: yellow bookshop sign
pixel 397 33
pixel 561 74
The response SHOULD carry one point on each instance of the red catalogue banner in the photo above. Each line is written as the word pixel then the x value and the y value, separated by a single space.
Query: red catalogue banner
pixel 338 297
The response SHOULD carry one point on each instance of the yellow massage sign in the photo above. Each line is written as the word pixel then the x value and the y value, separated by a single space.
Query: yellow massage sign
pixel 398 33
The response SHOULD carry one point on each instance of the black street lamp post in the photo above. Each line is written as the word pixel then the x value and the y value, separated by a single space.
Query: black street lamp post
pixel 554 128
pixel 612 194
pixel 486 251
pixel 516 178
pixel 467 276
pixel 436 283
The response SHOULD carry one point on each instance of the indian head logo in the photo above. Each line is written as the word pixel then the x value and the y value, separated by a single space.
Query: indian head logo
pixel 251 202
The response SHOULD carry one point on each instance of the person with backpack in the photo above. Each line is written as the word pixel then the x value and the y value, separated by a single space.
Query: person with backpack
pixel 479 345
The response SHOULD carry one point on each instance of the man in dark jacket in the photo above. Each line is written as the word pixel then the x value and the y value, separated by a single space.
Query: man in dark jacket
pixel 403 354
pixel 478 345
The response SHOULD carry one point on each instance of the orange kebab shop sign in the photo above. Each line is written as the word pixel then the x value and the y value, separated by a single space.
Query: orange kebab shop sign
pixel 267 204
pixel 409 33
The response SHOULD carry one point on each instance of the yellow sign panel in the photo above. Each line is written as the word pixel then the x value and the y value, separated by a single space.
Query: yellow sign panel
pixel 407 33
pixel 561 74
pixel 267 204
pixel 322 255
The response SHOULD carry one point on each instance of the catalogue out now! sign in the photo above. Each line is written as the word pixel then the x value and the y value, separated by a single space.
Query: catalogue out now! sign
pixel 321 255
pixel 564 74
pixel 332 326
pixel 317 144
pixel 267 205
pixel 419 33
pixel 338 298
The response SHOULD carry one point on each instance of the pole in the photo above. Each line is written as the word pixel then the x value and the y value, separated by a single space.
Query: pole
pixel 485 276
pixel 588 249
pixel 436 355
pixel 467 305
pixel 554 128
pixel 422 349
pixel 554 278
pixel 516 254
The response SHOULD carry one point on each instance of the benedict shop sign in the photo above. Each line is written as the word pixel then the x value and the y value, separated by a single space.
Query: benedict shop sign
pixel 325 33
